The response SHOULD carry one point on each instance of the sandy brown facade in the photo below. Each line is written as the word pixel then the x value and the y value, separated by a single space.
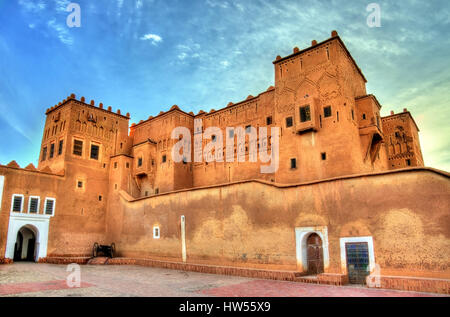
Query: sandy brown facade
pixel 347 178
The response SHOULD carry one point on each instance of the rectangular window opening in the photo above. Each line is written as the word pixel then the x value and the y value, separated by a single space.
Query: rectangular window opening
pixel 78 147
pixel 305 114
pixel 52 150
pixel 293 163
pixel 49 206
pixel 289 122
pixel 95 150
pixel 44 154
pixel 60 147
pixel 17 203
pixel 327 112
pixel 34 205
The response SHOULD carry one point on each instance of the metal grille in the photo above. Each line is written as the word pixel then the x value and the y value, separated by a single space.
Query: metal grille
pixel 357 262
pixel 17 204
pixel 49 207
pixel 34 205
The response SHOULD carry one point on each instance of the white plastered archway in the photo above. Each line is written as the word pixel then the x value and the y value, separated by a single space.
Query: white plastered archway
pixel 39 224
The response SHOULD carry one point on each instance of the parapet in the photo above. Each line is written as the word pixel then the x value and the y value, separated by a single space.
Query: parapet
pixel 72 97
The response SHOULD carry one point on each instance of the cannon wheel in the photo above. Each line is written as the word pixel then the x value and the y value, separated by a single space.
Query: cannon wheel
pixel 113 249
pixel 95 250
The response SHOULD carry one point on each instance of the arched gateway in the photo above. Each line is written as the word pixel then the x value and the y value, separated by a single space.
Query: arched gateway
pixel 27 237
pixel 25 246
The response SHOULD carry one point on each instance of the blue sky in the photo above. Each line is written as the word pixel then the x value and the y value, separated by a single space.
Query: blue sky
pixel 143 56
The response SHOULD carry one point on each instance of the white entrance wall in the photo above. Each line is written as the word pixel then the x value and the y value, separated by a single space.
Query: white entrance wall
pixel 301 235
pixel 2 183
pixel 39 224
pixel 369 241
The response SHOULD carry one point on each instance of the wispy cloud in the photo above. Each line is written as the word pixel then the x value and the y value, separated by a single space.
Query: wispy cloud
pixel 61 5
pixel 31 5
pixel 154 38
pixel 61 32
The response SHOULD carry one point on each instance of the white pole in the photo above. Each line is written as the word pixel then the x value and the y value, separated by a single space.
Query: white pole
pixel 183 238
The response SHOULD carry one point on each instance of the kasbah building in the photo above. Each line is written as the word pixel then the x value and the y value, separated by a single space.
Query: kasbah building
pixel 351 195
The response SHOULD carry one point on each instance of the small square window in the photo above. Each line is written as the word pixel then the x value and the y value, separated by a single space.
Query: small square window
pixel 156 233
pixel 164 158
pixel 324 156
pixel 269 120
pixel 327 112
pixel 289 122
pixel 80 184
pixel 293 163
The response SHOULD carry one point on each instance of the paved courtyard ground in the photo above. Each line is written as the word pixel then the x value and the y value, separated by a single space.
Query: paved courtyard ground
pixel 48 280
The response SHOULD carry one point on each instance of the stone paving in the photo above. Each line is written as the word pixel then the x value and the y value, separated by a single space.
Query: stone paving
pixel 48 280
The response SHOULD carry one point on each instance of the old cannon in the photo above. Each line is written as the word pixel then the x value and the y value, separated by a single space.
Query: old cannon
pixel 106 250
